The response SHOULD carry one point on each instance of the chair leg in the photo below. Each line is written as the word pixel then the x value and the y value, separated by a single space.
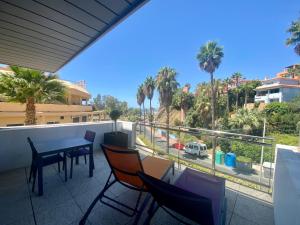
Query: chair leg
pixel 151 213
pixel 77 160
pixel 100 195
pixel 65 167
pixel 71 168
pixel 34 173
pixel 85 159
pixel 30 173
pixel 58 164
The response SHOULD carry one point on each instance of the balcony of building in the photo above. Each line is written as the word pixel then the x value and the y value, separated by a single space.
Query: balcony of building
pixel 66 202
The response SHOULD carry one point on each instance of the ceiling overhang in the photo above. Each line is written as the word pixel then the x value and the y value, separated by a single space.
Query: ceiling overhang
pixel 45 35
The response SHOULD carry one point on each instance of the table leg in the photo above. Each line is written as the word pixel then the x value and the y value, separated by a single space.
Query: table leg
pixel 40 176
pixel 91 161
pixel 66 170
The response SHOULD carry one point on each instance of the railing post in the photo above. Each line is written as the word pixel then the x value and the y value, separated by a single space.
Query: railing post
pixel 214 155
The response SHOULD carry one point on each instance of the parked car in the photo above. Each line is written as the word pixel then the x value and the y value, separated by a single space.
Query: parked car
pixel 178 146
pixel 195 148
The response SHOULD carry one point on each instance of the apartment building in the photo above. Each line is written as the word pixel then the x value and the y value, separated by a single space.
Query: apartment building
pixel 75 110
pixel 282 88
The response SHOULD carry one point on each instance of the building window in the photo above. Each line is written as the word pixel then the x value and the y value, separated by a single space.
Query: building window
pixel 84 119
pixel 62 117
pixel 15 125
pixel 76 119
pixel 262 93
pixel 52 122
pixel 274 91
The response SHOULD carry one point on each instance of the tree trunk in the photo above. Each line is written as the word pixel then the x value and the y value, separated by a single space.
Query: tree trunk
pixel 227 106
pixel 144 120
pixel 237 101
pixel 168 132
pixel 140 118
pixel 246 99
pixel 151 120
pixel 30 111
pixel 213 100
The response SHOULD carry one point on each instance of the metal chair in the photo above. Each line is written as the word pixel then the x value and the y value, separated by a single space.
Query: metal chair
pixel 125 164
pixel 45 161
pixel 90 136
pixel 188 204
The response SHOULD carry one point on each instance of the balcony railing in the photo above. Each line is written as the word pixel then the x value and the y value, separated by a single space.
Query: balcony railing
pixel 252 167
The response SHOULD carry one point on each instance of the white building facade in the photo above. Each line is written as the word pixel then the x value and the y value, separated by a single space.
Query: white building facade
pixel 282 88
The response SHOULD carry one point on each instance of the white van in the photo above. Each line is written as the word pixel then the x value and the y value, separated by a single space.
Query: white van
pixel 195 148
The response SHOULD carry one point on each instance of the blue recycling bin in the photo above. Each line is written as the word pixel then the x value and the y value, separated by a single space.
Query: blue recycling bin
pixel 230 159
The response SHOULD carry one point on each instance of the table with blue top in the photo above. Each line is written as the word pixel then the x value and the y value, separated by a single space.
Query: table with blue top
pixel 51 147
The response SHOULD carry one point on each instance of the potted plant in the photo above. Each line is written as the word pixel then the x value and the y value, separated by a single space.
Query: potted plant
pixel 116 137
pixel 243 163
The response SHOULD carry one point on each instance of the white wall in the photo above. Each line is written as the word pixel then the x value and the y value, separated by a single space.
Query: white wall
pixel 15 151
pixel 286 192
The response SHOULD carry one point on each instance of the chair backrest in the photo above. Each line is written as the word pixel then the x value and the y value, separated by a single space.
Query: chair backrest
pixel 90 135
pixel 188 204
pixel 125 164
pixel 33 149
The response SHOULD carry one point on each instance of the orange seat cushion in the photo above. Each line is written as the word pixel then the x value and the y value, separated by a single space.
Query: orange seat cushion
pixel 156 167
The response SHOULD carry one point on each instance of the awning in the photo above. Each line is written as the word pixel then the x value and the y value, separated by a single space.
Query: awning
pixel 47 34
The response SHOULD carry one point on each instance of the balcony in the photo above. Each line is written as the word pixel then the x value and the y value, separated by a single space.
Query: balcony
pixel 65 202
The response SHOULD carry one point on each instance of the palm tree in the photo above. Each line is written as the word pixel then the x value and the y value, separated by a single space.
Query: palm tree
pixel 294 40
pixel 247 87
pixel 149 87
pixel 30 87
pixel 140 98
pixel 227 82
pixel 247 120
pixel 236 77
pixel 166 85
pixel 209 57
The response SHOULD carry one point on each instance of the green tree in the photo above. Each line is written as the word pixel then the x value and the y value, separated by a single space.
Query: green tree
pixel 98 103
pixel 166 85
pixel 236 77
pixel 31 87
pixel 149 87
pixel 294 39
pixel 227 83
pixel 140 96
pixel 247 87
pixel 182 101
pixel 210 57
pixel 250 121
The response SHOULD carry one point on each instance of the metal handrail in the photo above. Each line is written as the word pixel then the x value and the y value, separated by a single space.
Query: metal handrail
pixel 215 133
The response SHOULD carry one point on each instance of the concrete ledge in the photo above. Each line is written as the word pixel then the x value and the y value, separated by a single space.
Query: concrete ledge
pixel 286 193
pixel 16 153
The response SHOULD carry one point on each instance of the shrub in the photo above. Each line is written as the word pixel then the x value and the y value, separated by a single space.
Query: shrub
pixel 224 145
pixel 115 115
pixel 243 159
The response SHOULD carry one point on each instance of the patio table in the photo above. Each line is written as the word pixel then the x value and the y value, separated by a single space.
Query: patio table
pixel 51 147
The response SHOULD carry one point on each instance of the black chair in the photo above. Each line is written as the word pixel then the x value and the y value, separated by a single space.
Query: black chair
pixel 89 136
pixel 169 197
pixel 45 161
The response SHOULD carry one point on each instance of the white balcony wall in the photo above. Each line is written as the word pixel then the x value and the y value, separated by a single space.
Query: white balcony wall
pixel 286 193
pixel 15 151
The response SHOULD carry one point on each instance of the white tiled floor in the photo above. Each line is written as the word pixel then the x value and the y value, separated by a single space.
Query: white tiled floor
pixel 64 203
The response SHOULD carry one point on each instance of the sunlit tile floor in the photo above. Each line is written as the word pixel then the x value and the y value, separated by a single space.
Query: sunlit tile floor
pixel 64 203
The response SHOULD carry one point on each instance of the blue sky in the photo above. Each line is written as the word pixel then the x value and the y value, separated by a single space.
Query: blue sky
pixel 170 33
